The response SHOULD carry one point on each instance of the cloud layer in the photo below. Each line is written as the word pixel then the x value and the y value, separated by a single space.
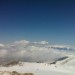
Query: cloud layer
pixel 33 51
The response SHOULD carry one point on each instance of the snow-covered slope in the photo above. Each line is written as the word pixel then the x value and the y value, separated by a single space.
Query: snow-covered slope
pixel 60 68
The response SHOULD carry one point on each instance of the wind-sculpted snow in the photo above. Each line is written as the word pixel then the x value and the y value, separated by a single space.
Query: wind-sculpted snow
pixel 33 51
pixel 63 66
pixel 39 69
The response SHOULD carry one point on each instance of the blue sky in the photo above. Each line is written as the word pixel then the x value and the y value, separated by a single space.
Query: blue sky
pixel 53 21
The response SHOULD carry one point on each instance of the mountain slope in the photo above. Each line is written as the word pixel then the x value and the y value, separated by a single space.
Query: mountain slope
pixel 41 68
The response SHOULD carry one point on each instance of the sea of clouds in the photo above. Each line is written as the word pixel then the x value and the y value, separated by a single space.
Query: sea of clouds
pixel 33 51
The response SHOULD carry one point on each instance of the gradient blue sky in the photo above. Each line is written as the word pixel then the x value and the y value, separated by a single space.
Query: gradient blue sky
pixel 35 20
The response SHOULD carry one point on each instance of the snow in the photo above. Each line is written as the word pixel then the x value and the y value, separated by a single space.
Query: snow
pixel 41 69
pixel 63 67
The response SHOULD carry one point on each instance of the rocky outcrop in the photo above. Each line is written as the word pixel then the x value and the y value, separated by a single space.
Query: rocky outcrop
pixel 12 63
pixel 14 73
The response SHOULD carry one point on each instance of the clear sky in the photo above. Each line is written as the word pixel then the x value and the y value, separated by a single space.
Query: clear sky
pixel 35 20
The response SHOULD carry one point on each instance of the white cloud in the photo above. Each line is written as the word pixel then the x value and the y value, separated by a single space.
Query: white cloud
pixel 3 53
pixel 32 51
pixel 24 42
pixel 21 53
pixel 2 45
pixel 43 42
pixel 60 46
